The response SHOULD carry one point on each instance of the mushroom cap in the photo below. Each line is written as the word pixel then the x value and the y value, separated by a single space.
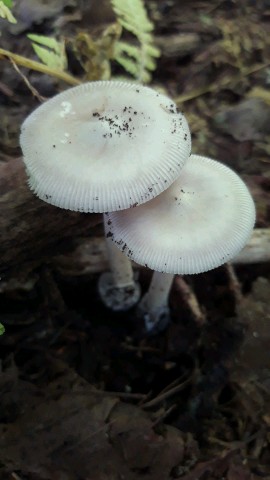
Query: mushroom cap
pixel 202 221
pixel 104 146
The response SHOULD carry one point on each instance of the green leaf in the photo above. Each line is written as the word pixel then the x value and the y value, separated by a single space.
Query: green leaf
pixel 50 51
pixel 8 3
pixel 2 329
pixel 5 11
pixel 124 48
pixel 137 59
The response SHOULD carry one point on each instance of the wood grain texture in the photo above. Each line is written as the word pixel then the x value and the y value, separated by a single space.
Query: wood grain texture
pixel 32 231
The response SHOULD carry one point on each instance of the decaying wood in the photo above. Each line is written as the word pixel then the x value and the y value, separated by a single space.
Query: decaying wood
pixel 31 230
pixel 90 254
pixel 178 46
pixel 257 249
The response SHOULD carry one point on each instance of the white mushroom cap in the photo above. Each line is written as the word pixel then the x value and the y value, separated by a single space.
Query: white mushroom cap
pixel 104 146
pixel 202 221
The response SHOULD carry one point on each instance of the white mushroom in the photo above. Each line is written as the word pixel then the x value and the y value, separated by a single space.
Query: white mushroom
pixel 202 221
pixel 105 146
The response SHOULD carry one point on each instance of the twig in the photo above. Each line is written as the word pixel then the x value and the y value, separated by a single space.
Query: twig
pixel 190 299
pixel 234 283
pixel 213 87
pixel 39 67
pixel 125 395
pixel 15 476
pixel 141 349
pixel 165 395
pixel 171 385
pixel 235 445
pixel 165 414
pixel 6 90
pixel 32 89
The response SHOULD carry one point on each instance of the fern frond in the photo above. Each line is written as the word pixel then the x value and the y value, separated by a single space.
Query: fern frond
pixel 2 329
pixel 133 15
pixel 51 52
pixel 125 51
pixel 5 11
pixel 124 48
pixel 129 65
pixel 8 3
pixel 139 59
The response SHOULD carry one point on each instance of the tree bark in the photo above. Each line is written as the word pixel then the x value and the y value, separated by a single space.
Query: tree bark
pixel 31 231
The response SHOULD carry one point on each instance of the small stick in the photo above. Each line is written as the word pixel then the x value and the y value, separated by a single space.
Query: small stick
pixel 234 283
pixel 32 89
pixel 190 299
pixel 163 396
pixel 39 67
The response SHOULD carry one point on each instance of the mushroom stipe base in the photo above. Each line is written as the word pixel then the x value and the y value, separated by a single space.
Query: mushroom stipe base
pixel 155 321
pixel 118 299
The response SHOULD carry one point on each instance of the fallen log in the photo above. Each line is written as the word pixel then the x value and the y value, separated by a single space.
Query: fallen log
pixel 90 256
pixel 31 230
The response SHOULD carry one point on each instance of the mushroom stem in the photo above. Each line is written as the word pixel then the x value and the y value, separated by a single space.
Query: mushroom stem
pixel 120 266
pixel 153 307
pixel 117 288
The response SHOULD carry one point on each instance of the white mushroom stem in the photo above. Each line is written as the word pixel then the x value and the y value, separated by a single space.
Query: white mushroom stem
pixel 117 288
pixel 157 295
pixel 154 306
pixel 120 266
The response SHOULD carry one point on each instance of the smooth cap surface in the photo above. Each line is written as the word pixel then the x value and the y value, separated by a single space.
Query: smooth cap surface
pixel 202 221
pixel 104 146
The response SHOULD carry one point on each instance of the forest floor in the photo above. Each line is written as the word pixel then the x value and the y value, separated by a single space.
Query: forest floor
pixel 84 394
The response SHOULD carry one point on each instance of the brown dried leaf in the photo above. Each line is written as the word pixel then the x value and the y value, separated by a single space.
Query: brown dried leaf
pixel 72 429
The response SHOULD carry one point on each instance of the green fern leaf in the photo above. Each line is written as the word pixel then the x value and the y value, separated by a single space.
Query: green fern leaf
pixel 152 51
pixel 134 12
pixel 129 65
pixel 124 48
pixel 5 11
pixel 49 51
pixel 8 3
pixel 136 59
